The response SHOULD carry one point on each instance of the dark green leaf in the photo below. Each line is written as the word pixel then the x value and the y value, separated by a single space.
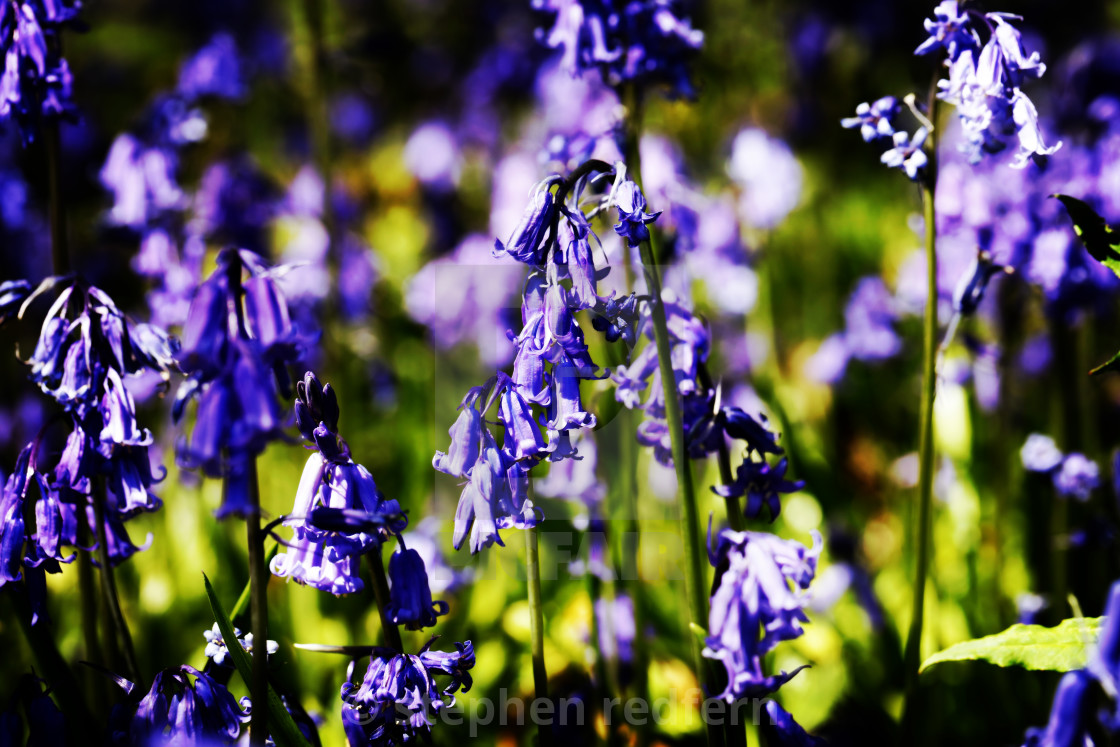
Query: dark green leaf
pixel 1100 240
pixel 283 728
pixel 1062 648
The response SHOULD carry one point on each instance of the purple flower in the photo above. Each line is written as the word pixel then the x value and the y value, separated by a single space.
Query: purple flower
pixel 769 176
pixel 339 514
pixel 432 156
pixel 782 731
pixel 237 343
pixel 1077 478
pixel 36 81
pixel 874 120
pixel 1040 453
pixel 950 31
pixel 753 607
pixel 531 238
pixel 907 153
pixel 761 483
pixel 645 41
pixel 632 215
pixel 410 600
pixel 1069 716
pixel 494 497
pixel 177 710
pixel 214 70
pixel 399 697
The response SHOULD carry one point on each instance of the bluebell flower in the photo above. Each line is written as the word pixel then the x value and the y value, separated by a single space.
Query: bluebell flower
pixel 1077 478
pixel 617 318
pixel 531 238
pixel 399 696
pixel 183 706
pixel 781 730
pixel 495 497
pixel 142 179
pixel 1040 453
pixel 236 345
pixel 762 484
pixel 874 120
pixel 768 174
pixel 907 153
pixel 950 31
pixel 36 82
pixel 235 204
pixel 632 215
pixel 757 602
pixel 214 70
pixel 326 549
pixel 217 649
pixel 1069 716
pixel 410 597
pixel 645 42
pixel 12 295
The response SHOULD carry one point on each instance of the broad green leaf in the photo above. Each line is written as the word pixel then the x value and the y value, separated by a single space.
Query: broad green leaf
pixel 1100 240
pixel 1062 648
pixel 283 728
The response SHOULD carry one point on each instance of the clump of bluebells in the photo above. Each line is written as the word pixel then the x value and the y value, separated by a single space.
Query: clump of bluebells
pixel 88 471
pixel 987 68
pixel 399 696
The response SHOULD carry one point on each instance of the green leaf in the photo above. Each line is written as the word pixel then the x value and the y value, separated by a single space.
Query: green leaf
pixel 1098 237
pixel 281 725
pixel 700 633
pixel 1062 648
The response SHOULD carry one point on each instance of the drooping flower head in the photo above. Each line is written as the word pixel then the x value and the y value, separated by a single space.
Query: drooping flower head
pixel 236 345
pixel 36 81
pixel 757 602
pixel 339 514
pixel 399 696
pixel 183 706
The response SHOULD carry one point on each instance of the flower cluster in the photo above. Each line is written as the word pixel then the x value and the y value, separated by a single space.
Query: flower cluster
pixel 183 706
pixel 88 470
pixel 339 514
pixel 985 82
pixel 36 82
pixel 757 602
pixel 626 41
pixel 399 696
pixel 539 406
pixel 217 650
pixel 760 482
pixel 236 345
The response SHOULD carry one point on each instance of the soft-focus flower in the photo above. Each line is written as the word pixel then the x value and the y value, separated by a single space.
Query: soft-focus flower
pixel 769 176
pixel 907 153
pixel 643 41
pixel 1077 478
pixel 781 730
pixel 1069 716
pixel 36 81
pixel 1040 453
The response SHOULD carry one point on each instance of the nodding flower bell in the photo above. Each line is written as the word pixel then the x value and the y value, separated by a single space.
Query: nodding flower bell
pixel 410 597
pixel 183 706
pixel 753 607
pixel 237 342
pixel 339 513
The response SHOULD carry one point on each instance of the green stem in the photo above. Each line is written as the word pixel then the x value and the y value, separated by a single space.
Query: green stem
pixel 912 655
pixel 696 587
pixel 536 627
pixel 60 253
pixel 735 518
pixel 381 594
pixel 109 585
pixel 258 611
